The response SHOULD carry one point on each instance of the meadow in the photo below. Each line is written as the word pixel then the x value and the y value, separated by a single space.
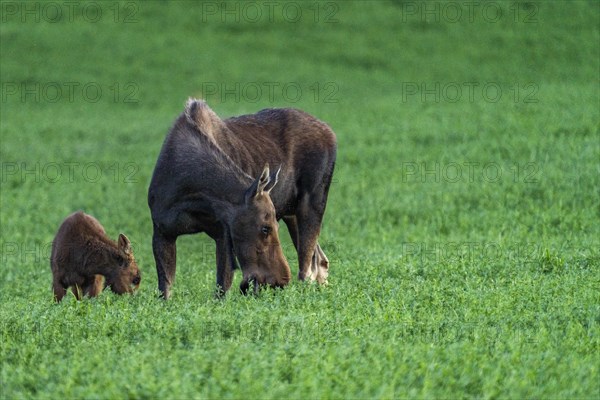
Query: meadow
pixel 462 226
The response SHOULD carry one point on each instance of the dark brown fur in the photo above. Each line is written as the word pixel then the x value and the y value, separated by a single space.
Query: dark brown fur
pixel 205 180
pixel 82 255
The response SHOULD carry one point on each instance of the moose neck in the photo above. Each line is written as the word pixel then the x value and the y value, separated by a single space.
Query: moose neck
pixel 211 182
pixel 220 180
pixel 217 194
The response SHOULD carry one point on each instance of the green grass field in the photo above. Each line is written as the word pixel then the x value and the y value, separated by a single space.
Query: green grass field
pixel 462 227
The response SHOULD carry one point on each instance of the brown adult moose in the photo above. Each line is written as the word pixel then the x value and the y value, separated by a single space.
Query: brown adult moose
pixel 82 255
pixel 213 176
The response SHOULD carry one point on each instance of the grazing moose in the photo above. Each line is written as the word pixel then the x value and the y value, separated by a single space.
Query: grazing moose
pixel 82 255
pixel 213 176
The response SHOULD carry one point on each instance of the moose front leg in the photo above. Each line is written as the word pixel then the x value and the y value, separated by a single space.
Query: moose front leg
pixel 165 252
pixel 225 264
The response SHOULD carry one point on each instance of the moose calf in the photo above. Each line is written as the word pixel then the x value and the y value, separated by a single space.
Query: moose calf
pixel 82 254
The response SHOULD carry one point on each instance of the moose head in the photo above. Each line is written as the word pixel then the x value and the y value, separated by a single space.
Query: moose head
pixel 255 236
pixel 122 272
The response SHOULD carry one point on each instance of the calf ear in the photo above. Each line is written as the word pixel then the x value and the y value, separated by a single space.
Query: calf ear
pixel 124 244
pixel 258 186
pixel 273 179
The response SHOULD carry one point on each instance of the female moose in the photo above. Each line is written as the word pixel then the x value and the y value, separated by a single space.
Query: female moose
pixel 213 176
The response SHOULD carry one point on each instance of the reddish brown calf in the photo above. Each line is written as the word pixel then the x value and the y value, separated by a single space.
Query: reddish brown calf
pixel 82 254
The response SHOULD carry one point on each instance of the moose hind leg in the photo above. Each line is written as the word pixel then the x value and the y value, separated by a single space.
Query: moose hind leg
pixel 165 252
pixel 319 262
pixel 309 226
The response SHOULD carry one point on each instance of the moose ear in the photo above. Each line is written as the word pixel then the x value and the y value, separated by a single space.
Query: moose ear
pixel 273 179
pixel 124 244
pixel 258 186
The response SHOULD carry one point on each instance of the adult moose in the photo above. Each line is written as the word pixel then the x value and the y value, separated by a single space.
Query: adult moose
pixel 213 176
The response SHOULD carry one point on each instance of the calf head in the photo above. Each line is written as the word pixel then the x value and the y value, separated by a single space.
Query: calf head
pixel 124 276
pixel 255 236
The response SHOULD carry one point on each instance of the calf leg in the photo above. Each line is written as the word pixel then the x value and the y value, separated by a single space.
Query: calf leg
pixel 76 289
pixel 59 290
pixel 165 252
pixel 93 286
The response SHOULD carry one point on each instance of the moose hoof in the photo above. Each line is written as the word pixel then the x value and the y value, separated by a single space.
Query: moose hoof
pixel 307 277
pixel 322 274
pixel 322 278
pixel 310 276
